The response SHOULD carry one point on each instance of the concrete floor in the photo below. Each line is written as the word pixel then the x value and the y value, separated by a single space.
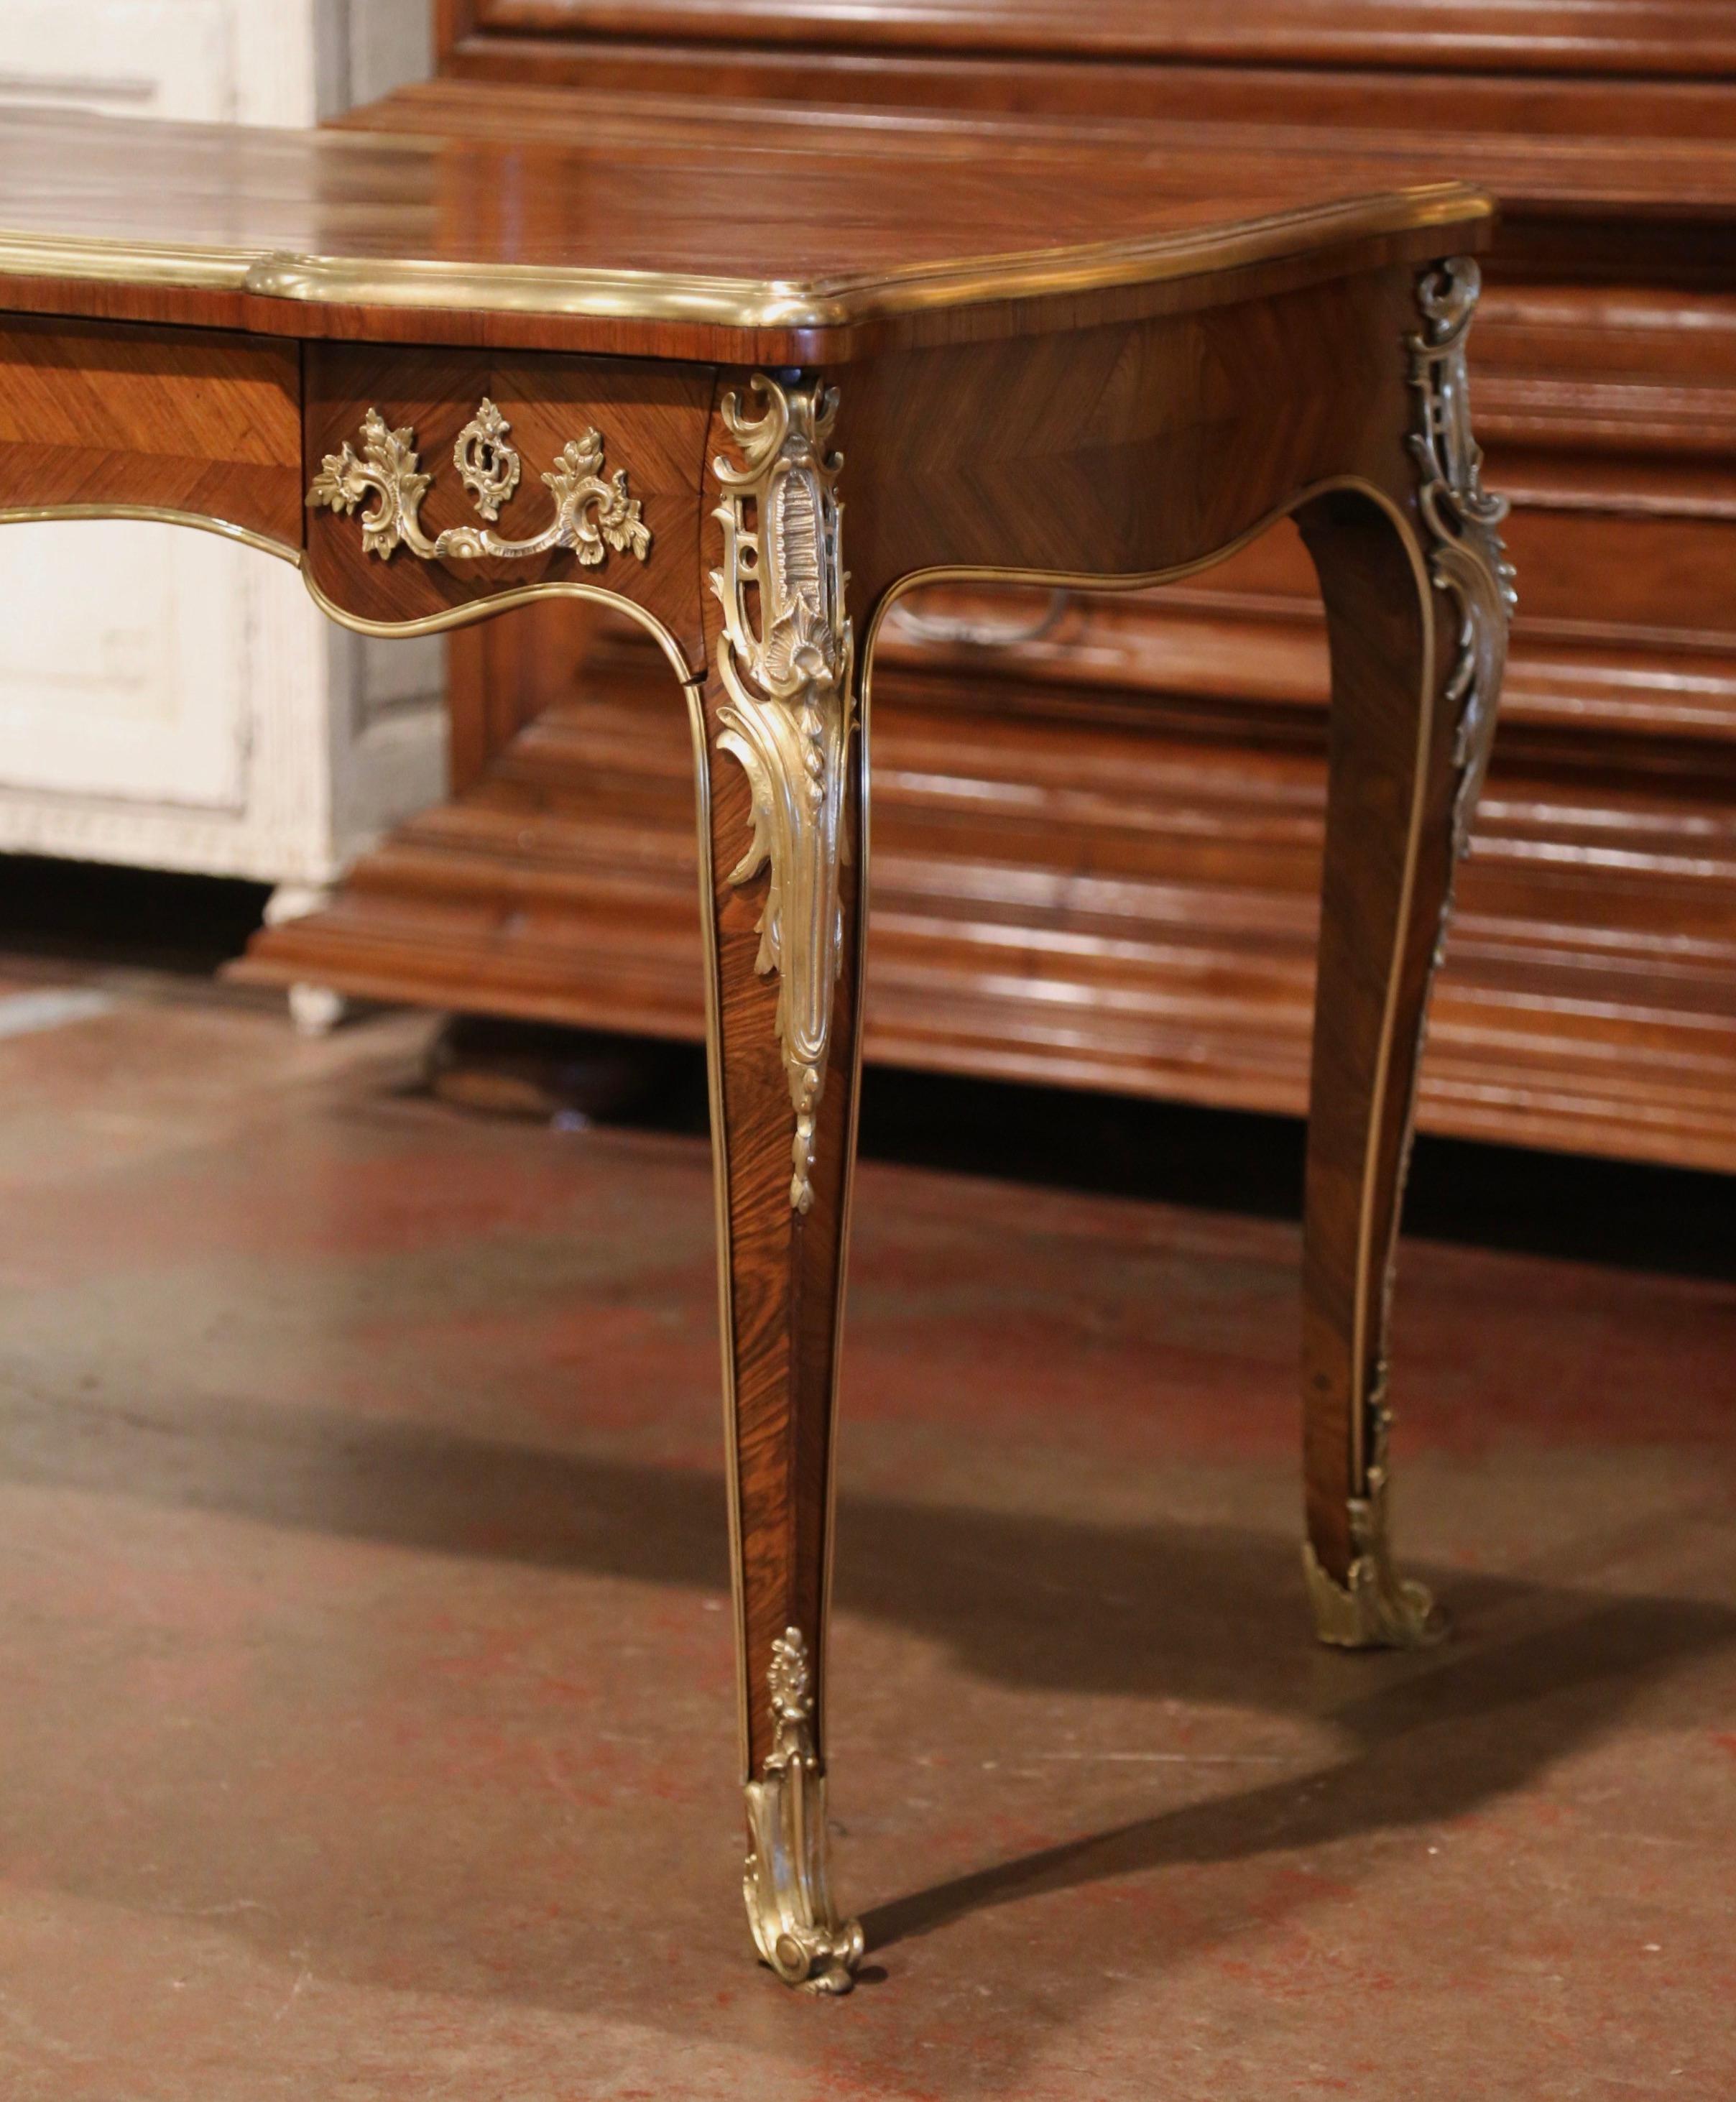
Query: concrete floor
pixel 368 1724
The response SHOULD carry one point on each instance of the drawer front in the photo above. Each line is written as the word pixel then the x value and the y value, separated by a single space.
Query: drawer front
pixel 174 419
pixel 593 467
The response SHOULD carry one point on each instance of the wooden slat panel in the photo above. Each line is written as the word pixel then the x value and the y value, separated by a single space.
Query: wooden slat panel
pixel 1139 123
pixel 1127 902
pixel 1669 37
pixel 1058 900
pixel 1423 104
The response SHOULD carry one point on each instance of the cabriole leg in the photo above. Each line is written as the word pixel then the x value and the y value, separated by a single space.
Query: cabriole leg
pixel 782 771
pixel 1417 615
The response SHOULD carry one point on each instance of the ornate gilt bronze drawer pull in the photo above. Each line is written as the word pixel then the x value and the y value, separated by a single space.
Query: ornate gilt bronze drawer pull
pixel 591 515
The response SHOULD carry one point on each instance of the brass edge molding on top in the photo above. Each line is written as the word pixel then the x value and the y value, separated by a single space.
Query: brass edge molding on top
pixel 786 1881
pixel 837 302
pixel 745 302
pixel 186 266
pixel 591 515
pixel 786 662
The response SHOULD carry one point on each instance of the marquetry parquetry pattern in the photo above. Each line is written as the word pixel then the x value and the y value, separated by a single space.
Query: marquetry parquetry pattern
pixel 652 420
pixel 207 424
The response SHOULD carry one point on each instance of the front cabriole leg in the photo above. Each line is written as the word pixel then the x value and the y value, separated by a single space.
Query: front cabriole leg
pixel 788 1883
pixel 1413 699
pixel 789 715
pixel 784 772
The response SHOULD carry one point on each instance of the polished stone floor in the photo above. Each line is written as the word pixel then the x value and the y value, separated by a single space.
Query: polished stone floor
pixel 367 1727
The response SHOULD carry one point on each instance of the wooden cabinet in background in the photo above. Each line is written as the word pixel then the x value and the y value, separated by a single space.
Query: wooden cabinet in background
pixel 1107 877
pixel 197 713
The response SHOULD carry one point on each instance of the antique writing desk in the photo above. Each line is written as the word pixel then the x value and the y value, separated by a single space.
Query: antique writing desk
pixel 444 378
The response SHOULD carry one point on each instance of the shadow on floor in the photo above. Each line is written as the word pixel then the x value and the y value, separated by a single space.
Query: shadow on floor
pixel 1471 1725
pixel 1201 1614
pixel 1668 1220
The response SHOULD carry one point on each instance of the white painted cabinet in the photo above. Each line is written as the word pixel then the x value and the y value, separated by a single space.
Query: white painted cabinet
pixel 192 710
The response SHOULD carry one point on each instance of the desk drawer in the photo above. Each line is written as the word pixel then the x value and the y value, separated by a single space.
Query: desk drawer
pixel 498 441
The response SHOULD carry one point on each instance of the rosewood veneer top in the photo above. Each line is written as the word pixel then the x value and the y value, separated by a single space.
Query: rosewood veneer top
pixel 638 229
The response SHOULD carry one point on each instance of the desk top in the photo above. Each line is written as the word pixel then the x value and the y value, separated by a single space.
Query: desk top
pixel 751 240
